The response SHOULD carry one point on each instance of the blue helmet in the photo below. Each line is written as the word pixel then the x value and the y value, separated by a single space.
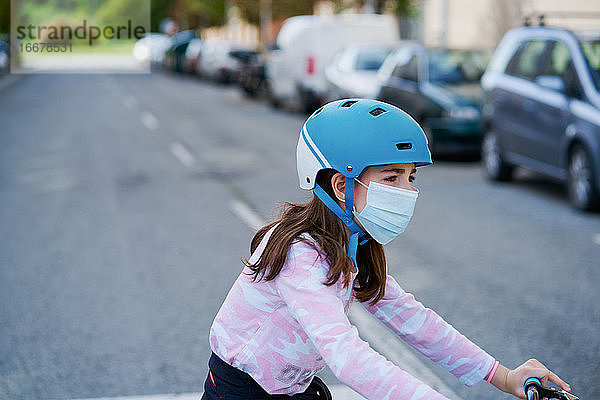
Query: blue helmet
pixel 353 134
pixel 350 135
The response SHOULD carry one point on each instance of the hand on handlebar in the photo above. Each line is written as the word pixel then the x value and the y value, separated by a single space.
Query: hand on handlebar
pixel 535 391
pixel 531 368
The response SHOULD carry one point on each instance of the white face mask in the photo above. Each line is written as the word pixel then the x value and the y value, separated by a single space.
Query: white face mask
pixel 387 212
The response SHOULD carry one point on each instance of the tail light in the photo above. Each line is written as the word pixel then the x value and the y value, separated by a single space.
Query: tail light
pixel 310 65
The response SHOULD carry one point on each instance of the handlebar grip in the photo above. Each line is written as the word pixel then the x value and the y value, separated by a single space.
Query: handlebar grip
pixel 529 382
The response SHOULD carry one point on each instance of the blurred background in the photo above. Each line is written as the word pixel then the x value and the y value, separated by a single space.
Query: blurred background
pixel 135 171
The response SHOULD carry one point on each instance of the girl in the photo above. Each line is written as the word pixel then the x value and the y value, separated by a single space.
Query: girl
pixel 285 317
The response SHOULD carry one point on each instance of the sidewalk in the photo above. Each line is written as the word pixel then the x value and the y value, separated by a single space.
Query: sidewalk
pixel 84 63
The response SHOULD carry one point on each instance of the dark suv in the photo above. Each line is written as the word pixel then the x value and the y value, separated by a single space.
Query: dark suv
pixel 542 109
pixel 440 88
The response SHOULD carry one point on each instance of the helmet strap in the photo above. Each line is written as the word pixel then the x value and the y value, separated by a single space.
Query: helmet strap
pixel 346 216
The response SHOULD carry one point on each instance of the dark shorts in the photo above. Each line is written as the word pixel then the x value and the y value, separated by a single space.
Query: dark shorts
pixel 226 382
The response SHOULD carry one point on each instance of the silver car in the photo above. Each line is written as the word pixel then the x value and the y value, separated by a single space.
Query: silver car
pixel 353 72
pixel 542 110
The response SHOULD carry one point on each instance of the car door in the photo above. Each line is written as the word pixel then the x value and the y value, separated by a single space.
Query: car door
pixel 551 113
pixel 513 100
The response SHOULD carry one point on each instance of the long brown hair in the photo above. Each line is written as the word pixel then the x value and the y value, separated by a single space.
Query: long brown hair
pixel 331 235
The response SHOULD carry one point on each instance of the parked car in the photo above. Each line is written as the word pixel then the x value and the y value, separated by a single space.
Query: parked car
pixel 175 55
pixel 252 76
pixel 242 57
pixel 4 57
pixel 441 90
pixel 220 60
pixel 542 109
pixel 305 45
pixel 152 48
pixel 192 56
pixel 353 71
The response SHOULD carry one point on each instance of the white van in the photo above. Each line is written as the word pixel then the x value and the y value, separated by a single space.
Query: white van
pixel 307 44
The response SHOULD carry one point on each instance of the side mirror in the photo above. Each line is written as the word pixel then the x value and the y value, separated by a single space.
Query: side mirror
pixel 551 82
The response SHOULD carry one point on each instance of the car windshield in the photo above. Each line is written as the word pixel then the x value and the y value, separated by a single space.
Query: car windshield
pixel 456 66
pixel 370 59
pixel 591 51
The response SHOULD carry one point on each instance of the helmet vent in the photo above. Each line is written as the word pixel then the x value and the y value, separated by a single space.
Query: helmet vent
pixel 349 103
pixel 377 111
pixel 404 146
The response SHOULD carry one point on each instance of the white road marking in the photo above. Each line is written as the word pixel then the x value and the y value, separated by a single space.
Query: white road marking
pixel 394 349
pixel 596 239
pixel 343 392
pixel 129 101
pixel 182 154
pixel 247 215
pixel 50 179
pixel 149 120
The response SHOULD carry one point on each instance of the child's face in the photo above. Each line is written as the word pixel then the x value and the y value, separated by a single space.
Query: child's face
pixel 397 175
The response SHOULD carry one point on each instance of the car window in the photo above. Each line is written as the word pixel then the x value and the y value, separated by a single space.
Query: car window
pixel 456 66
pixel 407 69
pixel 591 51
pixel 370 59
pixel 526 60
pixel 559 59
pixel 560 63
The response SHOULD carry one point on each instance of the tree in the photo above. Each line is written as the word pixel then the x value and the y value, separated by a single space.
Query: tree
pixel 406 8
pixel 280 9
pixel 199 13
pixel 204 13
pixel 402 8
pixel 159 10
pixel 4 16
pixel 118 12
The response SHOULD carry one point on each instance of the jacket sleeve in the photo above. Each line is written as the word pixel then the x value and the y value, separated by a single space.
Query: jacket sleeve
pixel 428 333
pixel 321 314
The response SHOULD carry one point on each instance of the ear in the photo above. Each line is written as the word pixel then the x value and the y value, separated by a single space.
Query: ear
pixel 338 184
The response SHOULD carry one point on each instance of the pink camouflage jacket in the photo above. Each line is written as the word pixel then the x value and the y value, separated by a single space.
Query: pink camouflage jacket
pixel 284 331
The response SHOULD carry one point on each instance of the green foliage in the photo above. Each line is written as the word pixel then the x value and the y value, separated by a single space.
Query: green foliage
pixel 106 12
pixel 159 10
pixel 406 8
pixel 4 16
pixel 203 13
pixel 189 13
pixel 280 9
pixel 288 8
pixel 38 10
pixel 118 12
pixel 403 8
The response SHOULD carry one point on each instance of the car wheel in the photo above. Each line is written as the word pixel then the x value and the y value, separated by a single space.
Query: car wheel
pixel 582 189
pixel 493 163
pixel 308 101
pixel 274 101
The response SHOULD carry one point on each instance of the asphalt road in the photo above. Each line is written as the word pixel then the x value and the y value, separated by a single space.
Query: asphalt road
pixel 119 240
